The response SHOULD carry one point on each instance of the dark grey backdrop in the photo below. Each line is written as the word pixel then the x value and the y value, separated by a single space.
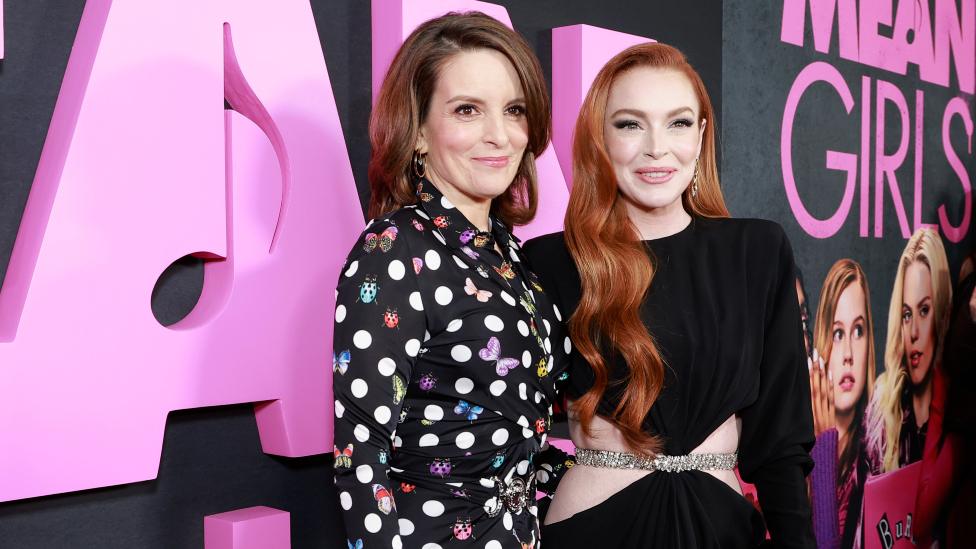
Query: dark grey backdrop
pixel 212 461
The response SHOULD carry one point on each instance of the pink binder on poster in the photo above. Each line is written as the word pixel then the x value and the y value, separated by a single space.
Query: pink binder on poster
pixel 889 503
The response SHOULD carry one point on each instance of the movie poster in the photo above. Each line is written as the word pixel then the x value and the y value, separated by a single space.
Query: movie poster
pixel 851 124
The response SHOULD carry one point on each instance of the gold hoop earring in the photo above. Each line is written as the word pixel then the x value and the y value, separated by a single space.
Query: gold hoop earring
pixel 694 181
pixel 419 164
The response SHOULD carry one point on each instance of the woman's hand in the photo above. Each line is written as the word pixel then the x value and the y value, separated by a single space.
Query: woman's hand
pixel 821 394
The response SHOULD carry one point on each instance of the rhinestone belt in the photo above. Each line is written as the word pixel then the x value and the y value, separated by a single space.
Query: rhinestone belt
pixel 669 464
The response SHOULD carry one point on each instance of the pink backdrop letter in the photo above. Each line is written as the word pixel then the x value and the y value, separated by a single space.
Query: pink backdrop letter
pixel 143 166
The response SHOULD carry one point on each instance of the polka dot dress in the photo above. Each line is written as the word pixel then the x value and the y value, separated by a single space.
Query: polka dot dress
pixel 446 358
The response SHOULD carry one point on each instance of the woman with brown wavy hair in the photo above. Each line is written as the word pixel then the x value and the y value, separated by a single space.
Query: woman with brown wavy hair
pixel 444 364
pixel 688 353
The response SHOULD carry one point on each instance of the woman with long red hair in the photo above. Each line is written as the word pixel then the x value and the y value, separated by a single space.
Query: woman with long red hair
pixel 688 354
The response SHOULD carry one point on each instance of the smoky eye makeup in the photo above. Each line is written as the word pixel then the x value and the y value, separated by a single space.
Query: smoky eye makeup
pixel 627 124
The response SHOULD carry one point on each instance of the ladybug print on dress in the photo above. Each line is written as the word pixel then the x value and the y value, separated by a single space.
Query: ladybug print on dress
pixel 442 222
pixel 390 318
pixel 427 382
pixel 498 460
pixel 540 426
pixel 369 289
pixel 463 529
pixel 406 488
pixel 467 235
pixel 441 467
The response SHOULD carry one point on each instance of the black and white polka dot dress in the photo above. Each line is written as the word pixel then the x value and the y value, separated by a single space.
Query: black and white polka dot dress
pixel 446 357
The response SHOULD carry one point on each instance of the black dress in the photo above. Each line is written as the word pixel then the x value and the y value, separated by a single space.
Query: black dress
pixel 723 310
pixel 444 377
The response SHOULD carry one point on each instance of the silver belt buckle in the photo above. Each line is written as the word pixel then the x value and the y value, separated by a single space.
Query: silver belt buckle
pixel 512 495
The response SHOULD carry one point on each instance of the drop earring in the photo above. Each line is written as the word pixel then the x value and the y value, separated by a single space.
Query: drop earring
pixel 694 181
pixel 419 164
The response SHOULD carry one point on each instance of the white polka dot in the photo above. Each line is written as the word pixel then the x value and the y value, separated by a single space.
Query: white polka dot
pixel 507 298
pixel 522 467
pixel 373 523
pixel 396 270
pixel 538 397
pixel 359 388
pixel 548 327
pixel 432 259
pixel 522 421
pixel 412 347
pixel 494 323
pixel 463 386
pixel 497 387
pixel 345 500
pixel 542 476
pixel 396 543
pixel 499 437
pixel 507 520
pixel 487 483
pixel 340 313
pixel 527 433
pixel 416 301
pixel 434 412
pixel 426 336
pixel 397 442
pixel 361 433
pixel 464 440
pixel 555 310
pixel 443 295
pixel 460 262
pixel 386 366
pixel 439 238
pixel 406 527
pixel 526 358
pixel 454 325
pixel 493 545
pixel 382 414
pixel 523 328
pixel 353 267
pixel 567 345
pixel 430 439
pixel 514 256
pixel 431 546
pixel 339 409
pixel 461 353
pixel 446 203
pixel 364 473
pixel 522 392
pixel 433 508
pixel 362 339
pixel 422 214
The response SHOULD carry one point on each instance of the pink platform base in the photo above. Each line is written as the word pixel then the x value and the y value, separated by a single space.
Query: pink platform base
pixel 250 528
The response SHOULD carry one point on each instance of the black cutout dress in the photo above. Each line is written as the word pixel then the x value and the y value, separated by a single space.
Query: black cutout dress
pixel 723 311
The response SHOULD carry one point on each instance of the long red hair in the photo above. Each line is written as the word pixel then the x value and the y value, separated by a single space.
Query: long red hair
pixel 614 265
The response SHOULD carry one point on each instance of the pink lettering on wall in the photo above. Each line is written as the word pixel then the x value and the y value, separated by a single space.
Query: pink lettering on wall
pixel 142 166
pixel 394 20
pixel 957 108
pixel 935 45
pixel 578 54
pixel 841 161
pixel 251 528
pixel 886 164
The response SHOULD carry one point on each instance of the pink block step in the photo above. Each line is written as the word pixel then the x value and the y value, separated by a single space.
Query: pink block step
pixel 250 528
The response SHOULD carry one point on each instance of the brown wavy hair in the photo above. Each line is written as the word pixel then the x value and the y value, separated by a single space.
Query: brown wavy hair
pixel 615 267
pixel 404 101
pixel 842 274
